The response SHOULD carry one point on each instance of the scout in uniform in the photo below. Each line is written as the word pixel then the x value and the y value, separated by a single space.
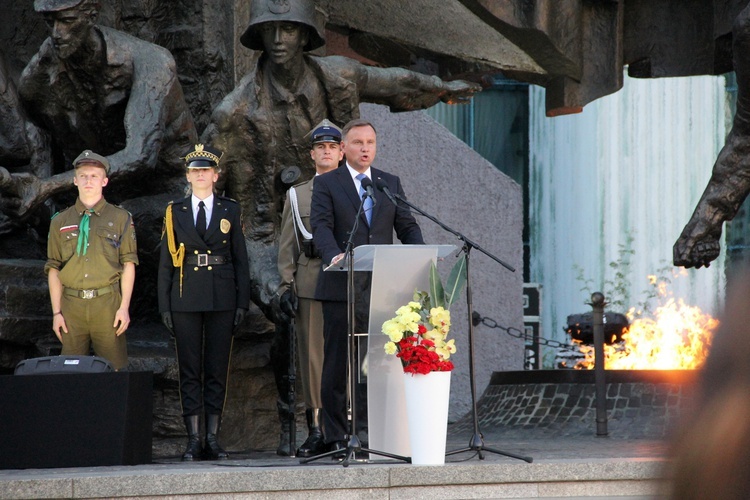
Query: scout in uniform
pixel 91 259
pixel 299 266
pixel 204 293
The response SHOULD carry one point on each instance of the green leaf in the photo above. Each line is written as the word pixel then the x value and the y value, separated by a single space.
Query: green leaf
pixel 436 287
pixel 456 281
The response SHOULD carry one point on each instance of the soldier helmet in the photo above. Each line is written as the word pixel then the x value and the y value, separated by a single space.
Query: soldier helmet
pixel 295 11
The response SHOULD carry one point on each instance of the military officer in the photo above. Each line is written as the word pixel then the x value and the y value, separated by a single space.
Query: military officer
pixel 91 259
pixel 204 293
pixel 299 266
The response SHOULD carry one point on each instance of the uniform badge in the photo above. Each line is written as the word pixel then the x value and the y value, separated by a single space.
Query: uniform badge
pixel 225 226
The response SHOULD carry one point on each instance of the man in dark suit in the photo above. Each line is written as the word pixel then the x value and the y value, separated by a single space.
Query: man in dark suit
pixel 335 201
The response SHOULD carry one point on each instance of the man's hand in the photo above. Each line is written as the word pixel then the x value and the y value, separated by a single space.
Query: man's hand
pixel 122 321
pixel 459 91
pixel 287 304
pixel 698 244
pixel 59 326
pixel 166 319
pixel 239 316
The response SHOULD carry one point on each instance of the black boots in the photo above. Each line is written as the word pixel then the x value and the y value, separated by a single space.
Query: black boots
pixel 314 444
pixel 212 450
pixel 193 450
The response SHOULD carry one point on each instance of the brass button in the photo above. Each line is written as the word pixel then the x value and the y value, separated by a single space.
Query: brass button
pixel 182 244
pixel 210 268
pixel 195 269
pixel 195 251
pixel 208 251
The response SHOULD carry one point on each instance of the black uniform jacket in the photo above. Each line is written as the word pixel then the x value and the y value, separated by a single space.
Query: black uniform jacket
pixel 335 201
pixel 212 287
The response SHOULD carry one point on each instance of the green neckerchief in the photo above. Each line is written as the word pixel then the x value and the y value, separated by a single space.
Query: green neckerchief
pixel 83 232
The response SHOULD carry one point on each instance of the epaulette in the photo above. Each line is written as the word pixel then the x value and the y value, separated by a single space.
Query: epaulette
pixel 228 199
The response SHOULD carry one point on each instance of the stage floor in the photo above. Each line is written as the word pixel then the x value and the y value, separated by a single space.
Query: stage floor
pixel 582 467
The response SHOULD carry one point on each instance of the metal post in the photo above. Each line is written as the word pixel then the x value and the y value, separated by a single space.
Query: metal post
pixel 597 304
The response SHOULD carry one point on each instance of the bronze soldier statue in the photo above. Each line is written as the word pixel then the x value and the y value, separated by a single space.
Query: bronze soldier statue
pixel 729 185
pixel 93 87
pixel 262 123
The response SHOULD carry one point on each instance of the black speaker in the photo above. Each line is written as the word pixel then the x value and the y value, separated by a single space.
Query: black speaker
pixel 57 365
pixel 75 420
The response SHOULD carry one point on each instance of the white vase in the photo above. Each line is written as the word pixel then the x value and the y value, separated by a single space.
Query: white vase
pixel 427 398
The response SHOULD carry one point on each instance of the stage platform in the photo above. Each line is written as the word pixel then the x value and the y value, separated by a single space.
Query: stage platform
pixel 573 468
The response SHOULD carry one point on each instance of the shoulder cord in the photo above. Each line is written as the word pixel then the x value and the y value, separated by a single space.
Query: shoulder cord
pixel 178 254
pixel 297 219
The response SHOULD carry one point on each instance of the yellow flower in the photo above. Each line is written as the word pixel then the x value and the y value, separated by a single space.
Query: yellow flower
pixel 451 346
pixel 434 335
pixel 394 331
pixel 390 348
pixel 441 318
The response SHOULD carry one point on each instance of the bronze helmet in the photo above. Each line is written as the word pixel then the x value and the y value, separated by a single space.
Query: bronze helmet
pixel 295 11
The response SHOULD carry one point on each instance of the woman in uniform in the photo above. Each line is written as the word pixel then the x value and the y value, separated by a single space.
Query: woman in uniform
pixel 204 293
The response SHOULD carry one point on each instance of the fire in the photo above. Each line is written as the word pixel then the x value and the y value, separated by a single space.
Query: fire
pixel 678 336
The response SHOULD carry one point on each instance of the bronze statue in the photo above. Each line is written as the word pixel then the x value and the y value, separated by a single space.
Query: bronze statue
pixel 261 126
pixel 729 185
pixel 93 87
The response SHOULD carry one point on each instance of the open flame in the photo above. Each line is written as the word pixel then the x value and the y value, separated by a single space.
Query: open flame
pixel 677 337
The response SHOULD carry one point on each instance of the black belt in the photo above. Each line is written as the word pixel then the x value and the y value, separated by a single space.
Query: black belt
pixel 88 294
pixel 203 260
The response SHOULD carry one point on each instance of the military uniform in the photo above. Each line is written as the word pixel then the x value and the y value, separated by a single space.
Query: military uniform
pixel 300 271
pixel 91 293
pixel 215 282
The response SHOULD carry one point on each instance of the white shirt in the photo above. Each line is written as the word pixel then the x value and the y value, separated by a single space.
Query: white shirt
pixel 209 202
pixel 354 174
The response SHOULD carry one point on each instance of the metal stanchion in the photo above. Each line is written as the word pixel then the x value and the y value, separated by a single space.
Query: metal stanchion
pixel 597 304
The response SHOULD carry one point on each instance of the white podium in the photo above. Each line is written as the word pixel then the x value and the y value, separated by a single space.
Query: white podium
pixel 397 270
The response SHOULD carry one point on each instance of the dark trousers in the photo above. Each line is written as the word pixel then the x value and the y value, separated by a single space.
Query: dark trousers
pixel 204 345
pixel 333 387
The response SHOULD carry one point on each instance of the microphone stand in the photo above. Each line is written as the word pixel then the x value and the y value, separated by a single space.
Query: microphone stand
pixel 476 443
pixel 353 443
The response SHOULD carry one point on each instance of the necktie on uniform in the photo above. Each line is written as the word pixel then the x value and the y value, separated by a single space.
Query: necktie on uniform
pixel 83 232
pixel 200 223
pixel 367 207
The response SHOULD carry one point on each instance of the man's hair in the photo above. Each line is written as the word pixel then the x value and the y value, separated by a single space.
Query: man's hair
pixel 357 122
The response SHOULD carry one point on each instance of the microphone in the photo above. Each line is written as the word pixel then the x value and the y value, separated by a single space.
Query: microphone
pixel 383 186
pixel 367 186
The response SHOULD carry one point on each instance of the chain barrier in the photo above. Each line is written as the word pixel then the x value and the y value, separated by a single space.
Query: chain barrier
pixel 477 319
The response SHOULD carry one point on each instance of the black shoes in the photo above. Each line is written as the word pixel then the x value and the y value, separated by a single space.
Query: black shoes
pixel 315 442
pixel 212 450
pixel 193 451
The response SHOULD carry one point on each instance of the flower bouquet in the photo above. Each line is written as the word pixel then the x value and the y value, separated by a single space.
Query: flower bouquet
pixel 418 333
pixel 418 337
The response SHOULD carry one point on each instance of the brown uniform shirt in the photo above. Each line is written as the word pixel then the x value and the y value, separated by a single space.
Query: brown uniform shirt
pixel 111 244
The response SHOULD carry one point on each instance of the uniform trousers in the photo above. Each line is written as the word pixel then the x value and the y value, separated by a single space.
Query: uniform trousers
pixel 204 345
pixel 89 322
pixel 309 324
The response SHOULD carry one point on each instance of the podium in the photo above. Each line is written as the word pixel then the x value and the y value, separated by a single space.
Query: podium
pixel 397 270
